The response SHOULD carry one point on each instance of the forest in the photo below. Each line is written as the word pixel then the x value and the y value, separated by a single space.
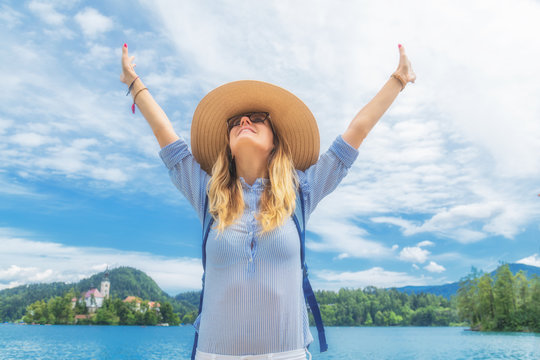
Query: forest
pixel 372 306
pixel 59 310
pixel 500 302
pixel 368 307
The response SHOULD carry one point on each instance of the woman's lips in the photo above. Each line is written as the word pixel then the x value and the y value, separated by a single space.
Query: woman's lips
pixel 246 128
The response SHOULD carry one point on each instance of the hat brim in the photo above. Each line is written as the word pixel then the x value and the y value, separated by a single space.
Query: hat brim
pixel 290 117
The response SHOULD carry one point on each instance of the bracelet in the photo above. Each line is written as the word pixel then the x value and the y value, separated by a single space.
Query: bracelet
pixel 131 86
pixel 400 78
pixel 137 93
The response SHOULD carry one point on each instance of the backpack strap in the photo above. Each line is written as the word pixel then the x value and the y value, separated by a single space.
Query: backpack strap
pixel 208 220
pixel 309 295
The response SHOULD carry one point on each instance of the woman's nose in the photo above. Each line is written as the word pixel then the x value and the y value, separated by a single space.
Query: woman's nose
pixel 245 120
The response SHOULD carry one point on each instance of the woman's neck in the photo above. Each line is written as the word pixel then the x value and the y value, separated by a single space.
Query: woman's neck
pixel 251 167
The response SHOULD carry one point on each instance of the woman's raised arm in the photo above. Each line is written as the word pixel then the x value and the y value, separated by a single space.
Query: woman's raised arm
pixel 152 112
pixel 366 118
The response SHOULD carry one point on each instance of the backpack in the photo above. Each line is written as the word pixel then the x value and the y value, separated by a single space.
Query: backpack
pixel 299 221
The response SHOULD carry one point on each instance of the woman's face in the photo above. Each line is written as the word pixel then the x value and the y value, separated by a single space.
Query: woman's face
pixel 251 137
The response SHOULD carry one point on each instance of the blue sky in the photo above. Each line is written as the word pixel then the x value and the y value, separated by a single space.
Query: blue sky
pixel 448 178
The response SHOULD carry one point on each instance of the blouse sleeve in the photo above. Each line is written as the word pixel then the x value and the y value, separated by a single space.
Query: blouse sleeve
pixel 325 175
pixel 186 173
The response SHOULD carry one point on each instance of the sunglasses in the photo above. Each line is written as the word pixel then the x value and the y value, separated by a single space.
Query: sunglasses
pixel 254 117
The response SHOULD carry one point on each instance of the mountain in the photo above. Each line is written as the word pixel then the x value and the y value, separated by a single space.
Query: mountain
pixel 189 297
pixel 125 281
pixel 448 290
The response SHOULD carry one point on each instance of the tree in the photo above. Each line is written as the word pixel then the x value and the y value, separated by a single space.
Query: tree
pixel 504 301
pixel 104 316
pixel 467 298
pixel 379 318
pixel 37 313
pixel 151 317
pixel 533 305
pixel 369 320
pixel 167 314
pixel 189 318
pixel 394 319
pixel 60 310
pixel 485 302
pixel 521 287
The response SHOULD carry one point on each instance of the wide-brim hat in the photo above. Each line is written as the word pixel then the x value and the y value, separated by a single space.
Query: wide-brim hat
pixel 290 117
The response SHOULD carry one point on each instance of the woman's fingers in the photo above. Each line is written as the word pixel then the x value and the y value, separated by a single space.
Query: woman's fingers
pixel 126 59
pixel 401 50
pixel 128 72
pixel 125 54
pixel 405 66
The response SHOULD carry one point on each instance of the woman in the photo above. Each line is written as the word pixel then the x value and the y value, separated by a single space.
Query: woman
pixel 255 147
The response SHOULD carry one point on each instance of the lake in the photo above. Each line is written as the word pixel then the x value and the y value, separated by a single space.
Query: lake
pixel 136 342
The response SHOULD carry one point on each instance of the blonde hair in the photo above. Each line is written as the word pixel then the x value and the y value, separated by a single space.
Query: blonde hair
pixel 226 201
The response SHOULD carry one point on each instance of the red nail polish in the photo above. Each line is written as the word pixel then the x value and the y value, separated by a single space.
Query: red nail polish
pixel 125 45
pixel 399 46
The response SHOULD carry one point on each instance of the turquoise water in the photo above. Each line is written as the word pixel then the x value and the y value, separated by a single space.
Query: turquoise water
pixel 135 342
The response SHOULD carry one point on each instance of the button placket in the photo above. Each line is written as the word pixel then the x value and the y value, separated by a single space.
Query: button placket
pixel 252 196
pixel 251 203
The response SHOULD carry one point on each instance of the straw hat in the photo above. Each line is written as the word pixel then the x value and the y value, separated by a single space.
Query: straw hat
pixel 290 117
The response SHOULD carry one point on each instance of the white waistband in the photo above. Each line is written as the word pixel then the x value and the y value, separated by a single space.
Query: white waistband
pixel 299 354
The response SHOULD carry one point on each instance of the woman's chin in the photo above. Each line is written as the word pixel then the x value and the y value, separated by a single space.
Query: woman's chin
pixel 249 144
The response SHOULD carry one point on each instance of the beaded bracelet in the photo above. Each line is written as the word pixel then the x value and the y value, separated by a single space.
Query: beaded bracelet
pixel 137 93
pixel 131 86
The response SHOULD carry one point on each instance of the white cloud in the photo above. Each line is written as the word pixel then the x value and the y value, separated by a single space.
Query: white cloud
pixel 10 186
pixel 98 56
pixel 46 12
pixel 434 267
pixel 446 148
pixel 414 254
pixel 428 154
pixel 425 243
pixel 14 271
pixel 64 129
pixel 57 262
pixel 472 222
pixel 31 139
pixel 92 22
pixel 343 237
pixel 9 17
pixel 5 124
pixel 533 260
pixel 375 276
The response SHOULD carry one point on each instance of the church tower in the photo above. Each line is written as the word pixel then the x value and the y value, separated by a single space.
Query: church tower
pixel 105 285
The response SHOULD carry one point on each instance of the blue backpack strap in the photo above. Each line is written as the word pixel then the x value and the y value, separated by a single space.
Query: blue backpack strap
pixel 300 222
pixel 208 220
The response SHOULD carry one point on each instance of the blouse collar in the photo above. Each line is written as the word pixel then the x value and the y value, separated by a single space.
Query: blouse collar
pixel 259 184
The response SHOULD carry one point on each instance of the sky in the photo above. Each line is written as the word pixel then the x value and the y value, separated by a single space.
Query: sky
pixel 449 178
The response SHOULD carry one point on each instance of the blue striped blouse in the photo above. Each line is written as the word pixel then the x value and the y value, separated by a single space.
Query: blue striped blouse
pixel 253 300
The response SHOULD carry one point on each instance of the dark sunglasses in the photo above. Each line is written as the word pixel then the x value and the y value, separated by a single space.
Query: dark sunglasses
pixel 254 117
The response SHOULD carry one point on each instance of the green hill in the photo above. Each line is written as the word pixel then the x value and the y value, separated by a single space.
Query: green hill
pixel 125 281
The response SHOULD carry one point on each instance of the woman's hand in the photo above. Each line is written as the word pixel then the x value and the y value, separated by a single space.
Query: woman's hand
pixel 404 69
pixel 128 69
